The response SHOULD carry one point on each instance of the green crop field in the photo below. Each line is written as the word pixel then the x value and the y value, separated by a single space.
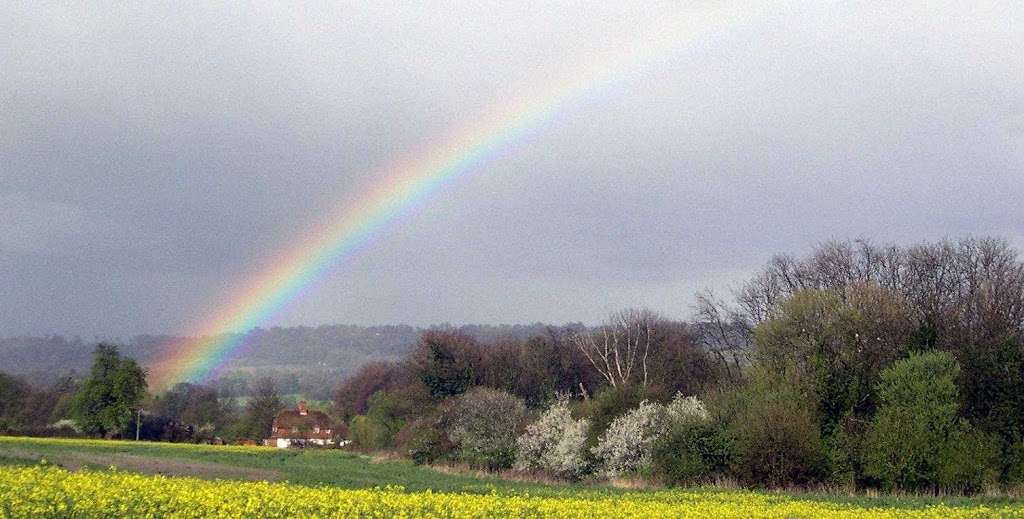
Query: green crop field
pixel 304 467
pixel 328 482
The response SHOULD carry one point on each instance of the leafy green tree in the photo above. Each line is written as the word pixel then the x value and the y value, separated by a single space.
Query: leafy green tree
pixel 55 403
pixel 446 362
pixel 606 406
pixel 915 438
pixel 834 344
pixel 368 433
pixel 261 410
pixel 110 396
pixel 387 413
pixel 391 409
pixel 195 405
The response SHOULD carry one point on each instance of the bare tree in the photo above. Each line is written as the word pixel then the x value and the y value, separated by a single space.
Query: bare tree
pixel 724 332
pixel 620 348
pixel 972 289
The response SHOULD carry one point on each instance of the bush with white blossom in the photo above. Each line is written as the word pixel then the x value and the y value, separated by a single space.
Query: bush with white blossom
pixel 685 408
pixel 554 443
pixel 627 444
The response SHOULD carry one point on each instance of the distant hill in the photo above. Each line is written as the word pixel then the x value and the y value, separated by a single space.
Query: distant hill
pixel 303 359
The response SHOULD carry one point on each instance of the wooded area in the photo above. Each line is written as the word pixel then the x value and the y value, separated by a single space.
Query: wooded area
pixel 863 366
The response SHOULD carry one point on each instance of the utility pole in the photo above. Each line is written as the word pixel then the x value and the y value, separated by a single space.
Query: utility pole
pixel 138 423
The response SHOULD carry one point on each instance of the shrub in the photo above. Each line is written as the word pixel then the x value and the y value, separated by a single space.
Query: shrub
pixel 606 406
pixel 555 443
pixel 692 451
pixel 969 461
pixel 386 415
pixel 368 433
pixel 423 441
pixel 390 409
pixel 1013 472
pixel 778 442
pixel 692 448
pixel 685 409
pixel 484 425
pixel 626 446
pixel 916 430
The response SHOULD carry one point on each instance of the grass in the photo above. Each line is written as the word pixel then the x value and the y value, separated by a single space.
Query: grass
pixel 337 468
pixel 312 467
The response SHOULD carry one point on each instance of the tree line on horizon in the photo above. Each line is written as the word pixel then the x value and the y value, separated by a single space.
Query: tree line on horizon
pixel 303 360
pixel 864 366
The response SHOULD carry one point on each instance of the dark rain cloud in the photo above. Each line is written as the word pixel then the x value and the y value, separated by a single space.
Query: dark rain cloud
pixel 152 157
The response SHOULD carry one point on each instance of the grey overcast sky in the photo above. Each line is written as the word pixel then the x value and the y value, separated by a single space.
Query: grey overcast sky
pixel 151 155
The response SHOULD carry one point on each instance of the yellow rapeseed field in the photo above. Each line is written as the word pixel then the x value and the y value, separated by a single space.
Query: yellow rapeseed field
pixel 47 491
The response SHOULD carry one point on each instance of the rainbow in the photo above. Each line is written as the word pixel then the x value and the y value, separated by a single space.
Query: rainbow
pixel 406 184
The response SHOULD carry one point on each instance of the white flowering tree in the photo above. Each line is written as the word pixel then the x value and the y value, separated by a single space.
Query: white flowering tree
pixel 685 408
pixel 627 444
pixel 554 443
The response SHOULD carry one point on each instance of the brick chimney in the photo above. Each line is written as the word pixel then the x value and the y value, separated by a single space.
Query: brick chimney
pixel 302 408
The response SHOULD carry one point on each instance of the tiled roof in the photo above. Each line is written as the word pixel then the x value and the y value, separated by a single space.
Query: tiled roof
pixel 292 418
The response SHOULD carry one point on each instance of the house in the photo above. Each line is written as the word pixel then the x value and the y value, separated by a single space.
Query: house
pixel 300 427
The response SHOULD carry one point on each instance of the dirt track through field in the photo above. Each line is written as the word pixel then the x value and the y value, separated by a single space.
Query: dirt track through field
pixel 148 465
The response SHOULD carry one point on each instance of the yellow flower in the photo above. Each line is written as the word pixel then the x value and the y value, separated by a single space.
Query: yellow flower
pixel 47 491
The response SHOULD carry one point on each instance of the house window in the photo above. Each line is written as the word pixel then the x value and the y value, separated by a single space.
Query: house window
pixel 295 429
pixel 327 431
pixel 316 429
